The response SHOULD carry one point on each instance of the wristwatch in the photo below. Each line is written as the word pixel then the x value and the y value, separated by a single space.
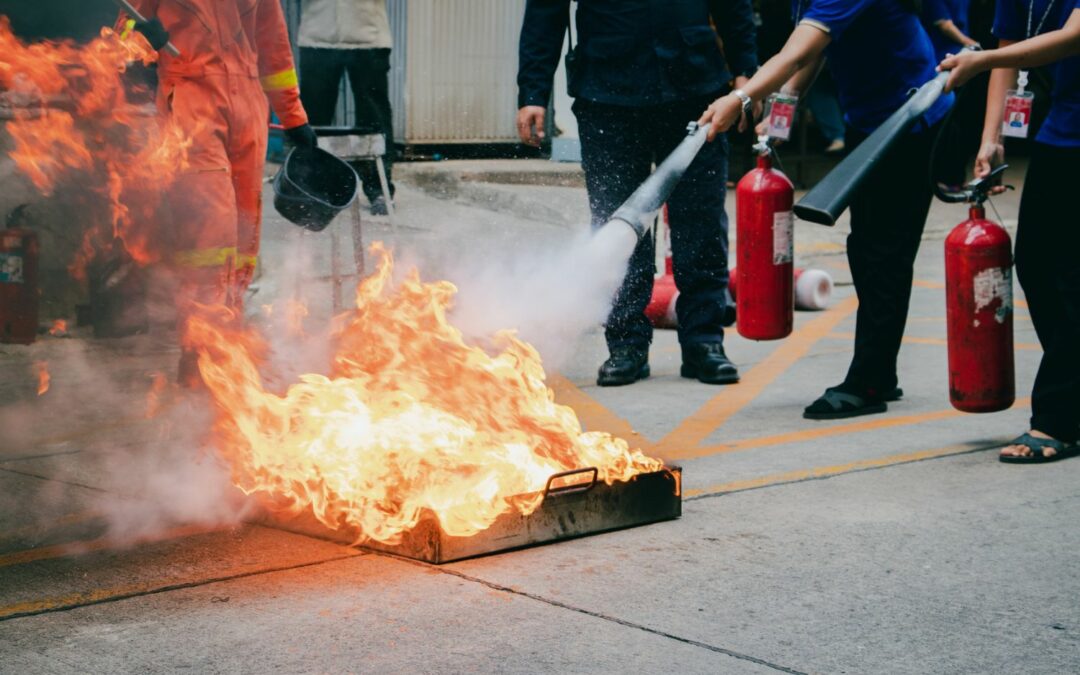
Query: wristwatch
pixel 747 102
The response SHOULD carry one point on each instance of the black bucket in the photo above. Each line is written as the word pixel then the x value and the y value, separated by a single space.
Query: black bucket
pixel 312 187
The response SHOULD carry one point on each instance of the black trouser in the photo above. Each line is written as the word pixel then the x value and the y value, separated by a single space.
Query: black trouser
pixel 618 148
pixel 320 81
pixel 1047 246
pixel 888 214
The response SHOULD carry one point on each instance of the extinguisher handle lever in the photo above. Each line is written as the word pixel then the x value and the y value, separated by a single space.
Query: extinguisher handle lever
pixel 975 191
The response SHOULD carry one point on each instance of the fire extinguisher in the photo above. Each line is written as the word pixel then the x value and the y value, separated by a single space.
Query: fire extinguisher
pixel 979 306
pixel 18 285
pixel 764 305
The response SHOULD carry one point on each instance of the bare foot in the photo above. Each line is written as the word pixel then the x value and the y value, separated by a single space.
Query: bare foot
pixel 1025 451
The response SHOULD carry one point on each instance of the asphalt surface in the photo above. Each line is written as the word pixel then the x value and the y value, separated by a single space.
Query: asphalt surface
pixel 893 543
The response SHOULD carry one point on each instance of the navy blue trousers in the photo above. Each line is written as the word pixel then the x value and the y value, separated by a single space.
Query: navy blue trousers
pixel 618 148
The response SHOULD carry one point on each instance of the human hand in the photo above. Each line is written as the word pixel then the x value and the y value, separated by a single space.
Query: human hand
pixel 963 66
pixel 991 154
pixel 530 124
pixel 303 136
pixel 721 115
pixel 154 32
pixel 755 108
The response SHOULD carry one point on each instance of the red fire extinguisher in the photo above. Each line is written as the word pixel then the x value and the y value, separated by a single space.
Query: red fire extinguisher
pixel 18 285
pixel 979 306
pixel 764 222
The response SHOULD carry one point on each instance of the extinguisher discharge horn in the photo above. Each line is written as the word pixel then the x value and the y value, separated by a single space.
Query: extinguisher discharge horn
pixel 639 209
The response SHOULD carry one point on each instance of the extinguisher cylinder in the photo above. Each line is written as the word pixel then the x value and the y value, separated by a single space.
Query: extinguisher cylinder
pixel 978 287
pixel 764 225
pixel 18 286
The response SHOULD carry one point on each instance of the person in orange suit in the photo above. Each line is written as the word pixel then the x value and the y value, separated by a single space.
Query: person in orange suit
pixel 235 62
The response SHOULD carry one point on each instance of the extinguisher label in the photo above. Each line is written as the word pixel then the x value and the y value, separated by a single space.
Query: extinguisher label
pixel 993 284
pixel 11 269
pixel 783 241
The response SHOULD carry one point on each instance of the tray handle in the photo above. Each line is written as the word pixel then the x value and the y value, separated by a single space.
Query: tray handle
pixel 574 488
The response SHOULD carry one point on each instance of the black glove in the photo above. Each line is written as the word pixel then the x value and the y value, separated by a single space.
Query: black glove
pixel 303 136
pixel 155 33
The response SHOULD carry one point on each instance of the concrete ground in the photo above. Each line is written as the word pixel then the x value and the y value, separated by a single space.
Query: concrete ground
pixel 893 543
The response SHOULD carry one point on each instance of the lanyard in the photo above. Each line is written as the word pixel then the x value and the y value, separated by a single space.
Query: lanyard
pixel 1022 80
pixel 1042 22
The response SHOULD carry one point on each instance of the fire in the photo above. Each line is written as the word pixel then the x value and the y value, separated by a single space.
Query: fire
pixel 73 120
pixel 44 379
pixel 410 419
pixel 59 328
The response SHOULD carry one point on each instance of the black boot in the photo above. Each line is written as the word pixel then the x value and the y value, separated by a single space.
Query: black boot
pixel 708 363
pixel 625 366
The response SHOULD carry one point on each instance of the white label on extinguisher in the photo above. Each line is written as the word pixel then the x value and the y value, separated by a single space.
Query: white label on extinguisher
pixel 11 269
pixel 782 240
pixel 992 284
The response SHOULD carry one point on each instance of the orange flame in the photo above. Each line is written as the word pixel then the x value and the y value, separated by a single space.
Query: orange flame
pixel 43 376
pixel 72 118
pixel 59 328
pixel 410 420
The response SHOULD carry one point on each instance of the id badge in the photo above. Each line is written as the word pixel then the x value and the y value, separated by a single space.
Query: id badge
pixel 1017 117
pixel 781 115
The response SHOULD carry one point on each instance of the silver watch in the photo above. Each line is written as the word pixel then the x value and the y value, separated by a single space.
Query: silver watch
pixel 747 102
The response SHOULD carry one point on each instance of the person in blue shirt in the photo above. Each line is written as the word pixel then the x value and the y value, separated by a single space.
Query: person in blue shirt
pixel 642 70
pixel 946 21
pixel 1035 33
pixel 877 51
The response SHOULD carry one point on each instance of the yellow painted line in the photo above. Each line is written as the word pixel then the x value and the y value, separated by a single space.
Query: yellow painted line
pixel 1020 346
pixel 731 399
pixel 829 431
pixel 94 545
pixel 836 470
pixel 54 523
pixel 593 415
pixel 925 283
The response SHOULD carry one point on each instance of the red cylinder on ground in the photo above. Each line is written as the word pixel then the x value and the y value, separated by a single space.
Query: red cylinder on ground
pixel 764 305
pixel 18 286
pixel 979 306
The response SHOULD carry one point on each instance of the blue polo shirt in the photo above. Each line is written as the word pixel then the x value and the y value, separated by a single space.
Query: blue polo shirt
pixel 878 54
pixel 938 10
pixel 1062 124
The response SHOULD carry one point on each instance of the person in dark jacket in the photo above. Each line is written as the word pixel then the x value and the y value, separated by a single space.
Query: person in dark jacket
pixel 641 71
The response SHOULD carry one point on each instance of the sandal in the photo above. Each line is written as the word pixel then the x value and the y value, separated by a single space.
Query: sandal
pixel 835 404
pixel 1037 446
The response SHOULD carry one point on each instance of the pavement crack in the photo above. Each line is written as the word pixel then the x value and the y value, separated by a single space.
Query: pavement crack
pixel 597 615
pixel 66 607
pixel 52 480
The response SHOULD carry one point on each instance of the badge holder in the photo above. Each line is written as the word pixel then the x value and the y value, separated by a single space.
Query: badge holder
pixel 781 115
pixel 1018 105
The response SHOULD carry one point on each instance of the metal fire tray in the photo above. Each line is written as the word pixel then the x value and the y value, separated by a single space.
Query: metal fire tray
pixel 575 504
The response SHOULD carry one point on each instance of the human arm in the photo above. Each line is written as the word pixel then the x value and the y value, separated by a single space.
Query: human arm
pixel 992 149
pixel 276 70
pixel 800 56
pixel 539 47
pixel 1037 51
pixel 952 32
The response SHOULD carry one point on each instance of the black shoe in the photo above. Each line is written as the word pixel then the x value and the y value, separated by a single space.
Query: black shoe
pixel 378 207
pixel 626 365
pixel 708 363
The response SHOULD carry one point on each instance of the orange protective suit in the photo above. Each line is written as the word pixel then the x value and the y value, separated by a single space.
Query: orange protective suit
pixel 231 52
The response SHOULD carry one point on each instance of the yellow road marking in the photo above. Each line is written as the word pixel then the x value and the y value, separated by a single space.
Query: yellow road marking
pixel 594 416
pixel 827 471
pixel 827 431
pixel 719 409
pixel 925 283
pixel 1021 346
pixel 93 545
